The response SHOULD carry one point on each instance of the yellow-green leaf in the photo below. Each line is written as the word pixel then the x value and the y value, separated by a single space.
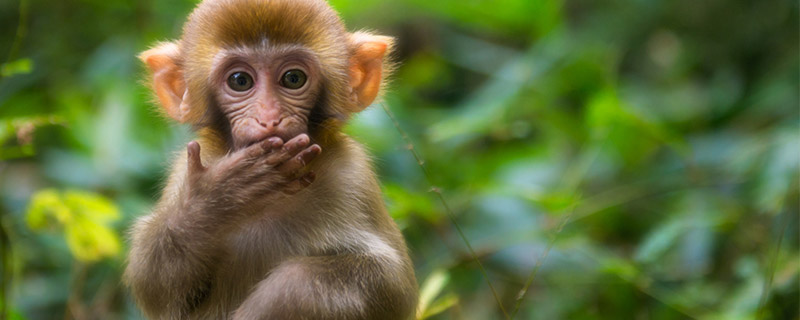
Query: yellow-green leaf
pixel 47 203
pixel 90 241
pixel 84 217
pixel 440 305
pixel 431 288
pixel 21 66
pixel 94 207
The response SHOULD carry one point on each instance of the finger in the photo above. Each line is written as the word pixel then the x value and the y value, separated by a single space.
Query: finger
pixel 289 150
pixel 259 149
pixel 275 143
pixel 193 157
pixel 293 165
pixel 300 183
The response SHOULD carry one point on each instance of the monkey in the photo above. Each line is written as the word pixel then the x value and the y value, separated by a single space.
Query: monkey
pixel 272 212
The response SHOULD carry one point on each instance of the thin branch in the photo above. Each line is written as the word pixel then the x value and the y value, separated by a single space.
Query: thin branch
pixel 643 283
pixel 22 30
pixel 539 262
pixel 773 264
pixel 573 184
pixel 75 308
pixel 448 211
pixel 5 269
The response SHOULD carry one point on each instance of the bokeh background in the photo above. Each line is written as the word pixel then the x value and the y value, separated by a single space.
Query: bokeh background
pixel 612 159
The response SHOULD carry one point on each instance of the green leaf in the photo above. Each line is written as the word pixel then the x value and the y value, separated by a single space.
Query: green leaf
pixel 604 112
pixel 403 203
pixel 84 217
pixel 90 241
pixel 431 288
pixel 440 305
pixel 94 207
pixel 47 204
pixel 21 66
pixel 660 240
pixel 13 314
pixel 557 202
pixel 619 267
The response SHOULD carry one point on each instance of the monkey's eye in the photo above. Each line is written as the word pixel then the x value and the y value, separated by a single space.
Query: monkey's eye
pixel 240 81
pixel 293 79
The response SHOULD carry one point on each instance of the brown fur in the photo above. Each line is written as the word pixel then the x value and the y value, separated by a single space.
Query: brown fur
pixel 236 23
pixel 328 251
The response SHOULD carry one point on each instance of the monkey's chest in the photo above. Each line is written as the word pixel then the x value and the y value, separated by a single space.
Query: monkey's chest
pixel 248 256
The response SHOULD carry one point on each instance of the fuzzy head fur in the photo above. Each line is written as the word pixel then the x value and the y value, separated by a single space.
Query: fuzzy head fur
pixel 353 64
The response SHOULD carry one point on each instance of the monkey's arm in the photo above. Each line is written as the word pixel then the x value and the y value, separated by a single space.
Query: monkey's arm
pixel 344 286
pixel 174 248
pixel 170 265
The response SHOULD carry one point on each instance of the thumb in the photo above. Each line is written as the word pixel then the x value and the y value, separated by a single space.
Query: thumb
pixel 193 159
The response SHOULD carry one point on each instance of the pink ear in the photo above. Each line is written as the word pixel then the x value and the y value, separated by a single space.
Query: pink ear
pixel 168 82
pixel 366 67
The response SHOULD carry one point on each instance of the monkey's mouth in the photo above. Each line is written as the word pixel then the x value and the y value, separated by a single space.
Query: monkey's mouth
pixel 250 131
pixel 250 143
pixel 246 141
pixel 285 136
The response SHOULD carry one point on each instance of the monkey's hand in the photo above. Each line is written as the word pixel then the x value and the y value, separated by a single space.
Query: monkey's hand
pixel 244 176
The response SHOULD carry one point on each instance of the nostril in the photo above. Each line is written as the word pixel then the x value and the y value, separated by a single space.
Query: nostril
pixel 275 123
pixel 261 123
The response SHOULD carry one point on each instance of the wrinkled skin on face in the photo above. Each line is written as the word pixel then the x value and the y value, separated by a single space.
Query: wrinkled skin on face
pixel 266 92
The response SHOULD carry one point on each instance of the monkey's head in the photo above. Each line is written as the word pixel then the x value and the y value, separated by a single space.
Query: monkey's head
pixel 253 69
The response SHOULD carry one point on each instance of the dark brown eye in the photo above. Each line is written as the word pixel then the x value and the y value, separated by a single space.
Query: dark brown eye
pixel 240 81
pixel 293 79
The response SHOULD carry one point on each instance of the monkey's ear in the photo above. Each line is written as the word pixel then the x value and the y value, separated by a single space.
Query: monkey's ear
pixel 168 82
pixel 367 66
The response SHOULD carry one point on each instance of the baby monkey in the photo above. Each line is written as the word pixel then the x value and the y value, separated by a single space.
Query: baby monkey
pixel 273 212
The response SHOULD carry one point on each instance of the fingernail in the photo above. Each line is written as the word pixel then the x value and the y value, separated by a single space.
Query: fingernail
pixel 192 147
pixel 308 155
pixel 275 142
pixel 296 146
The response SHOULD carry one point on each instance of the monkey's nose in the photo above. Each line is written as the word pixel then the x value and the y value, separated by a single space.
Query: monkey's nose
pixel 269 124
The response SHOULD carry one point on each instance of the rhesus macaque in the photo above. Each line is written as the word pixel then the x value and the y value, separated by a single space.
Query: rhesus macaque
pixel 272 213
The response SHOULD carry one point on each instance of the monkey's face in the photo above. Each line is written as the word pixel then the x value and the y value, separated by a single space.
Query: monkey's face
pixel 265 92
pixel 250 70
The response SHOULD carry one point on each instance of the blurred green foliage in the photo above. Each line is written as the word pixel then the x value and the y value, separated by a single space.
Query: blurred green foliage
pixel 84 218
pixel 628 159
